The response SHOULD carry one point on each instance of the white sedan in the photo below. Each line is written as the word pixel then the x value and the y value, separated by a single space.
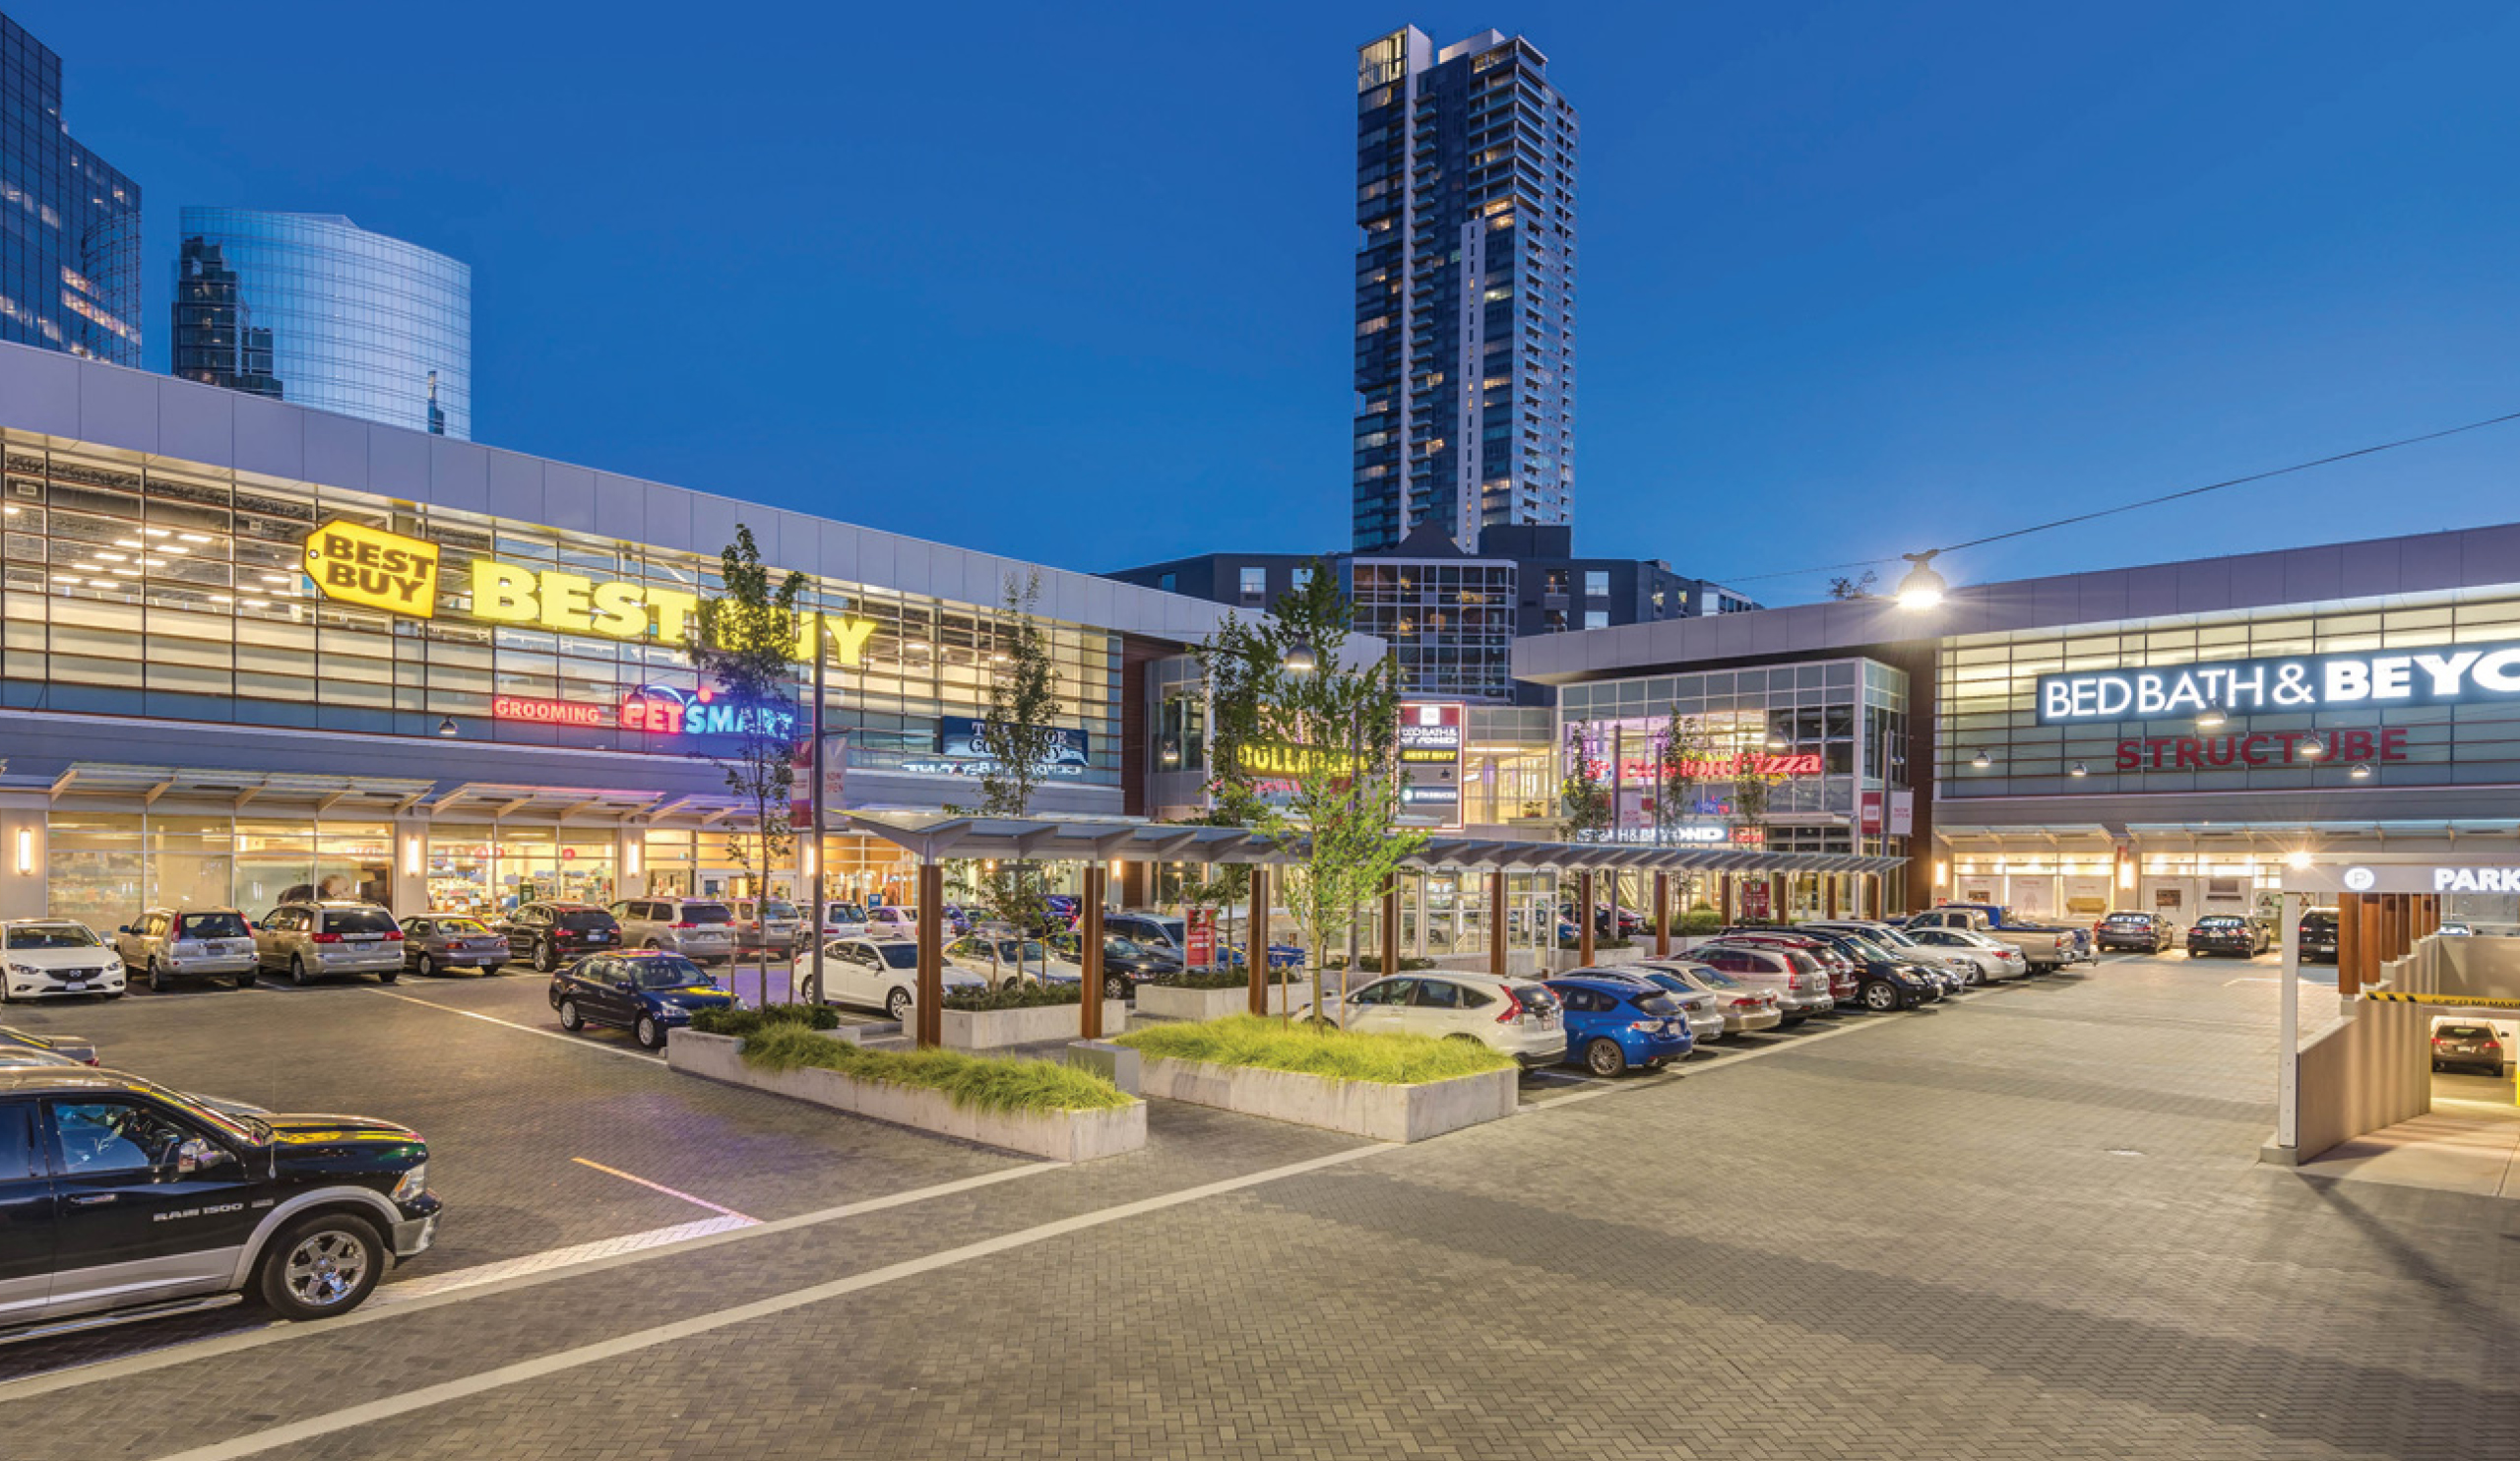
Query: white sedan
pixel 1994 958
pixel 1514 1017
pixel 1004 956
pixel 879 974
pixel 54 958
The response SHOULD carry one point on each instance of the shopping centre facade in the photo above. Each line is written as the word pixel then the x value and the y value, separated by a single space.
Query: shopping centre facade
pixel 251 647
pixel 2158 737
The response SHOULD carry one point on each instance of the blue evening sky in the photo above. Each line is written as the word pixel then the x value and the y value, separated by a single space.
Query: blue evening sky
pixel 1073 282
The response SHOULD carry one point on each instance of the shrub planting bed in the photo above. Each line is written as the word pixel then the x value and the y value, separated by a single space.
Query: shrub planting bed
pixel 1389 1087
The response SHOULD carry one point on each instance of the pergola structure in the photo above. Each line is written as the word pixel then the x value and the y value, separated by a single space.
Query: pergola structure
pixel 934 840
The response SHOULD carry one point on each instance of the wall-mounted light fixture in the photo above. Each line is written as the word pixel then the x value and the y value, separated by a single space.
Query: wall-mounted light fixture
pixel 410 854
pixel 634 856
pixel 26 861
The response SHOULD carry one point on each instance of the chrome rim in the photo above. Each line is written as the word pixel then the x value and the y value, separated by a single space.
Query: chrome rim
pixel 648 1031
pixel 1880 996
pixel 899 1005
pixel 326 1268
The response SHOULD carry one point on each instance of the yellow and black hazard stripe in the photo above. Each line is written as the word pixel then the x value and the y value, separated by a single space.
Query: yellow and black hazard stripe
pixel 2461 1002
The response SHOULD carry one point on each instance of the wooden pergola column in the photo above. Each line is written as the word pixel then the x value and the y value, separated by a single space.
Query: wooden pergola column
pixel 1661 915
pixel 1390 924
pixel 1255 958
pixel 927 1010
pixel 1088 930
pixel 1583 919
pixel 2349 942
pixel 1496 922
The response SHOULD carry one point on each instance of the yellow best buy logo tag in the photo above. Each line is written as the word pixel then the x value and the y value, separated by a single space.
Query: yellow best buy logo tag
pixel 373 568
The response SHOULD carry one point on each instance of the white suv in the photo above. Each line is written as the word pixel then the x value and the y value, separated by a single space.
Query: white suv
pixel 701 929
pixel 1511 1016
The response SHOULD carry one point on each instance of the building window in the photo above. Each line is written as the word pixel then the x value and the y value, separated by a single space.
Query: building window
pixel 1597 583
pixel 1303 579
pixel 1255 582
pixel 1169 583
pixel 1596 618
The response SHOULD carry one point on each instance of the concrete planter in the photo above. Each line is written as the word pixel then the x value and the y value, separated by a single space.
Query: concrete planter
pixel 994 1029
pixel 1359 1108
pixel 1058 1135
pixel 1173 1004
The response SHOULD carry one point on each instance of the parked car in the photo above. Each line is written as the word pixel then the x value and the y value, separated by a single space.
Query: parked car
pixel 82 1051
pixel 1613 1024
pixel 2130 928
pixel 2225 933
pixel 156 1203
pixel 1127 963
pixel 20 1055
pixel 54 958
pixel 315 940
pixel 999 956
pixel 1996 959
pixel 1697 1005
pixel 1800 984
pixel 648 994
pixel 2318 935
pixel 772 924
pixel 1876 963
pixel 1164 932
pixel 844 920
pixel 166 944
pixel 434 943
pixel 2453 929
pixel 893 920
pixel 1630 921
pixel 2044 948
pixel 882 974
pixel 1740 1008
pixel 702 929
pixel 1845 974
pixel 549 934
pixel 1514 1017
pixel 2467 1045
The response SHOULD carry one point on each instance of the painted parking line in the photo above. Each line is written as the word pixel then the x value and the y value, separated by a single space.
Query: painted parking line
pixel 430 1286
pixel 574 1042
pixel 662 1187
pixel 521 1273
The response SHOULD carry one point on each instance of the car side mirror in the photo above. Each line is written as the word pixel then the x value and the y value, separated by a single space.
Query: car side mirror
pixel 198 1155
pixel 125 929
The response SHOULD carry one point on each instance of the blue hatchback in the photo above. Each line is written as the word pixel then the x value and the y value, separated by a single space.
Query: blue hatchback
pixel 1612 1024
pixel 648 994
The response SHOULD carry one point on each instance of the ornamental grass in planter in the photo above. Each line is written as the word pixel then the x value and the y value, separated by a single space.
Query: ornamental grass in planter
pixel 969 1082
pixel 1253 1043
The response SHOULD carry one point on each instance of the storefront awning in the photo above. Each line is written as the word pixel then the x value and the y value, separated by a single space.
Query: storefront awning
pixel 150 785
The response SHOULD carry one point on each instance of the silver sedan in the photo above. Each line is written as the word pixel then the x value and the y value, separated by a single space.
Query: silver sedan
pixel 1743 1007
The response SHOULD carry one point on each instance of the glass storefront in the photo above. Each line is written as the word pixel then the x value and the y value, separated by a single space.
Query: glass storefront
pixel 148 586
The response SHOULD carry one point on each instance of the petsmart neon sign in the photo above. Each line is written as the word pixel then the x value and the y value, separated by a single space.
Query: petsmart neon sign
pixel 663 710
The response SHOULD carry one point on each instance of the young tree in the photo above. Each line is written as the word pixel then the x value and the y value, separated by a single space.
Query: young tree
pixel 1854 587
pixel 1019 738
pixel 744 639
pixel 1310 757
pixel 1583 799
pixel 1688 754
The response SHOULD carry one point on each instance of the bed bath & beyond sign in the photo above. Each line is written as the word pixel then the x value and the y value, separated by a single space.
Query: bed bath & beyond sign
pixel 2449 674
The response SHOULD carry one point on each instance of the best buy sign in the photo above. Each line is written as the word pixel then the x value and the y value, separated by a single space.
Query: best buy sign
pixel 377 569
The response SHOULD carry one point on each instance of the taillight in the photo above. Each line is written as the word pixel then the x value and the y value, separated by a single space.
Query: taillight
pixel 393 935
pixel 323 939
pixel 686 925
pixel 1513 1009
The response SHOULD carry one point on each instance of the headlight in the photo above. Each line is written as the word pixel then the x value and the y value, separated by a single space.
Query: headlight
pixel 413 1184
pixel 23 969
pixel 672 1014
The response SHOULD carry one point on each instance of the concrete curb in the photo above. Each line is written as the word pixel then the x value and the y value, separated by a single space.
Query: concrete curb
pixel 1400 1113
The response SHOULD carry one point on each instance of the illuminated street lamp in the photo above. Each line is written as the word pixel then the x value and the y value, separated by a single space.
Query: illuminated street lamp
pixel 1923 588
pixel 1982 760
pixel 2080 771
pixel 1299 659
pixel 446 726
pixel 2362 771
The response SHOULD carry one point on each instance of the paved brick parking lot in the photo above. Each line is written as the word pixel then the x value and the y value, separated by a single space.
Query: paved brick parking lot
pixel 2029 1223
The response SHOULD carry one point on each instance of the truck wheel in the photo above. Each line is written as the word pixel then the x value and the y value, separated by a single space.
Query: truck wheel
pixel 322 1265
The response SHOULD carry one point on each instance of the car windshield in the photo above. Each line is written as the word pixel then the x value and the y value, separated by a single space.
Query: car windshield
pixel 1008 950
pixel 1715 978
pixel 779 910
pixel 212 925
pixel 585 917
pixel 1864 949
pixel 1126 948
pixel 359 920
pixel 665 972
pixel 460 928
pixel 1172 927
pixel 899 954
pixel 845 912
pixel 241 1127
pixel 2463 1032
pixel 705 913
pixel 52 937
pixel 1896 938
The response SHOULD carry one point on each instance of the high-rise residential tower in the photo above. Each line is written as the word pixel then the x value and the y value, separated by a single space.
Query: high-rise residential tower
pixel 69 223
pixel 312 308
pixel 1465 289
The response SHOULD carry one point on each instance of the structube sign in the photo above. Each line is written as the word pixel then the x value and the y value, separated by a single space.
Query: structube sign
pixel 2450 674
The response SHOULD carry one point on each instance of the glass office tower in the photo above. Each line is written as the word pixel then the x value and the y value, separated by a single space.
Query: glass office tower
pixel 69 223
pixel 1465 289
pixel 312 308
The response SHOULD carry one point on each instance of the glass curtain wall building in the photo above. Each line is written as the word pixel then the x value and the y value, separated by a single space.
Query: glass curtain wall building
pixel 1464 302
pixel 314 310
pixel 69 223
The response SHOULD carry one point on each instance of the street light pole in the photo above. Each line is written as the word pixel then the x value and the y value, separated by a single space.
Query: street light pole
pixel 814 981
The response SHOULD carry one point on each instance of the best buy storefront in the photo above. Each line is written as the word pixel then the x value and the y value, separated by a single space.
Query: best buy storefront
pixel 250 647
pixel 2163 738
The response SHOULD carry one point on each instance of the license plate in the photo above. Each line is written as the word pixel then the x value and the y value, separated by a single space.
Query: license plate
pixel 76 986
pixel 598 938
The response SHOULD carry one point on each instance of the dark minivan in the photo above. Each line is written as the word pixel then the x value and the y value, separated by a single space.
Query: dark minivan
pixel 552 934
pixel 2318 935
